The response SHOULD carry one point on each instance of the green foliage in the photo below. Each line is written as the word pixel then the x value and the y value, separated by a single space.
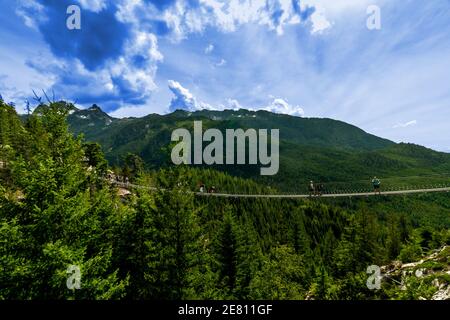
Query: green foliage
pixel 57 211
pixel 282 276
pixel 237 255
pixel 175 249
pixel 134 166
pixel 94 157
pixel 413 288
pixel 57 222
pixel 333 152
pixel 410 253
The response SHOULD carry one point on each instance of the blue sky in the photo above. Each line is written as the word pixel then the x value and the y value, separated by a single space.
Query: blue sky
pixel 311 58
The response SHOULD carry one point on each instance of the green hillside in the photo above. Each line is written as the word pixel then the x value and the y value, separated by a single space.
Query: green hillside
pixel 338 154
pixel 302 131
pixel 58 210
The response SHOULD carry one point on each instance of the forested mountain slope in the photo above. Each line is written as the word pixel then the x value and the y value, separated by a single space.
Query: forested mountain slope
pixel 324 150
pixel 57 210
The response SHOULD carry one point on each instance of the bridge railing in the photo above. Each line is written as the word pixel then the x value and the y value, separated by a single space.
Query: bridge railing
pixel 337 192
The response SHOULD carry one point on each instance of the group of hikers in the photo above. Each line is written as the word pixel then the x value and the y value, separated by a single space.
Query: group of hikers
pixel 112 177
pixel 317 189
pixel 203 189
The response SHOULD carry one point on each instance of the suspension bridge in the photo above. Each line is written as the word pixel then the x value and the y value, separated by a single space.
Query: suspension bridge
pixel 336 194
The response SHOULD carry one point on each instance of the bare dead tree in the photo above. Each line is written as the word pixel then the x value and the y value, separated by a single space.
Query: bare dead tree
pixel 46 97
pixel 37 98
pixel 28 107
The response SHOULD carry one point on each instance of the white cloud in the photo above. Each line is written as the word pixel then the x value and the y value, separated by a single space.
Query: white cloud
pixel 118 80
pixel 319 22
pixel 221 63
pixel 209 49
pixel 184 100
pixel 98 82
pixel 93 5
pixel 406 124
pixel 31 12
pixel 227 15
pixel 277 105
pixel 283 107
pixel 234 104
pixel 328 11
pixel 183 18
pixel 17 79
pixel 141 77
pixel 339 6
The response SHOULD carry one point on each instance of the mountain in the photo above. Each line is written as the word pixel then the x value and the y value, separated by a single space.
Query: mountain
pixel 92 120
pixel 310 148
pixel 304 131
pixel 319 249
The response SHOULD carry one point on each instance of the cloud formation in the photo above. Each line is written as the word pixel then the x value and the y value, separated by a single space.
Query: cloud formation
pixel 114 58
pixel 209 49
pixel 184 100
pixel 128 79
pixel 108 61
pixel 317 53
pixel 93 5
pixel 282 106
pixel 183 17
pixel 406 124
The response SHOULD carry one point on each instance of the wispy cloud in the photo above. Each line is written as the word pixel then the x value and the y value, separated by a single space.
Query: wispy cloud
pixel 209 49
pixel 283 107
pixel 406 124
pixel 221 63
pixel 314 53
pixel 184 100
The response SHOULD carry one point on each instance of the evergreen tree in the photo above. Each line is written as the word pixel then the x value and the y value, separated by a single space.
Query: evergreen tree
pixel 95 158
pixel 227 257
pixel 281 276
pixel 133 167
pixel 393 241
pixel 176 252
pixel 59 221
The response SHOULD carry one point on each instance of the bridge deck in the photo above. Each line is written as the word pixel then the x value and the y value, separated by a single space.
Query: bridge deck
pixel 297 196
pixel 331 195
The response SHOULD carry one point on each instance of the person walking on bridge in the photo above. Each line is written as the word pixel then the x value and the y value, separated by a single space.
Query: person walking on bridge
pixel 311 188
pixel 320 188
pixel 376 185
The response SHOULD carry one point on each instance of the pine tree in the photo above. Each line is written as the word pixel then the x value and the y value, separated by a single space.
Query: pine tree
pixel 281 277
pixel 227 256
pixel 237 255
pixel 393 241
pixel 176 251
pixel 133 167
pixel 60 222
pixel 95 158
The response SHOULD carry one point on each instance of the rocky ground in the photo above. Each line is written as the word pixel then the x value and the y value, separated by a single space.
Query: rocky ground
pixel 429 277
